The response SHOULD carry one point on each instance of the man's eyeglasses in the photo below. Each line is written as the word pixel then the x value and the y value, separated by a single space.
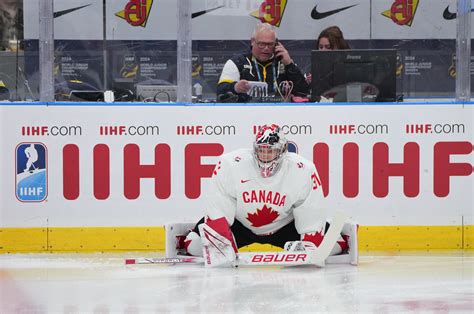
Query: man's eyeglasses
pixel 262 45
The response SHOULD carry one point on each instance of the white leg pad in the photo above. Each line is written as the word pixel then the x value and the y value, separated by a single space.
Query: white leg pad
pixel 173 231
pixel 352 257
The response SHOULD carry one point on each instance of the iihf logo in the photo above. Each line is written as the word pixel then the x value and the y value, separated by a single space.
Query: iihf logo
pixel 31 179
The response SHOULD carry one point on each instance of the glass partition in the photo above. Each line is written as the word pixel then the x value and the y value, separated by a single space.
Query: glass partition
pixel 130 47
pixel 422 32
pixel 141 50
pixel 15 84
pixel 79 50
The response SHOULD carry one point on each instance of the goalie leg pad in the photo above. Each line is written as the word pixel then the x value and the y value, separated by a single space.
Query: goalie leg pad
pixel 345 251
pixel 316 238
pixel 350 230
pixel 349 234
pixel 175 235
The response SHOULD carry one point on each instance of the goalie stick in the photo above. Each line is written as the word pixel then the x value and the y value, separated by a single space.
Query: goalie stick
pixel 315 257
pixel 165 260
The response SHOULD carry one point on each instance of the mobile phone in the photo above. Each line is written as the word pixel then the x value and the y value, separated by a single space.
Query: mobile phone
pixel 274 51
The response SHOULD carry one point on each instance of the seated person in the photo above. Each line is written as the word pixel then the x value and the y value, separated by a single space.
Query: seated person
pixel 268 62
pixel 332 38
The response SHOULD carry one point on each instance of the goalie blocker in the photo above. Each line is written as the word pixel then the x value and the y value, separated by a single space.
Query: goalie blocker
pixel 177 232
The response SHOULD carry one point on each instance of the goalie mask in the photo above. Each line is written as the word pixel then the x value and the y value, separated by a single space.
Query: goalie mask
pixel 269 148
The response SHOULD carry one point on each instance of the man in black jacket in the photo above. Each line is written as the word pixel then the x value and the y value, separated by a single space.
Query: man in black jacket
pixel 268 62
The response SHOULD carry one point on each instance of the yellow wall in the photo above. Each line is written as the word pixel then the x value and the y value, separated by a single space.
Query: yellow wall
pixel 110 239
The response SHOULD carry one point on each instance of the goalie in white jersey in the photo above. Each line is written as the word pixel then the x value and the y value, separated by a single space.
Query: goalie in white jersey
pixel 265 195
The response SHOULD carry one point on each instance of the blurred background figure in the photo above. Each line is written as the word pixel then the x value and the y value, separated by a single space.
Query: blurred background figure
pixel 11 24
pixel 4 92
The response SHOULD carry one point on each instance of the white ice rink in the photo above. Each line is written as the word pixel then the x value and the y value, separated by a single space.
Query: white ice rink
pixel 101 283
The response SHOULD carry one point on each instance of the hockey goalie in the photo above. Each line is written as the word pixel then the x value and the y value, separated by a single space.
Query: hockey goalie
pixel 262 195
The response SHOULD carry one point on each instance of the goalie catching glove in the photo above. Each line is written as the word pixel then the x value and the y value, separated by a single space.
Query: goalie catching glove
pixel 216 243
pixel 193 244
pixel 310 241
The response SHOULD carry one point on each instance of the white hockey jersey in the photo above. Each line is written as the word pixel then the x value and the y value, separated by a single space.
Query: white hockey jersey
pixel 264 205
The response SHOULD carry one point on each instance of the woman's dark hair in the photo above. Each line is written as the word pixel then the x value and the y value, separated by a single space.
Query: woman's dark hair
pixel 335 37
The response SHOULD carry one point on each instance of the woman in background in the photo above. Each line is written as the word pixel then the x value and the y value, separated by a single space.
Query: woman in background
pixel 332 38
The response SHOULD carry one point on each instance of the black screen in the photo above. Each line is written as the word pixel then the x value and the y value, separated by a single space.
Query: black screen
pixel 354 75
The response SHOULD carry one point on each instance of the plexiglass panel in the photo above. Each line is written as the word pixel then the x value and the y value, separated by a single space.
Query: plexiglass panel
pixel 130 47
pixel 422 32
pixel 14 79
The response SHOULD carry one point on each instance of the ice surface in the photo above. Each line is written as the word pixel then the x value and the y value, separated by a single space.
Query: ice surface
pixel 101 283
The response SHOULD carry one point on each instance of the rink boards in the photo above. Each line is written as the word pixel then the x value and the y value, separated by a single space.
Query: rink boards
pixel 108 177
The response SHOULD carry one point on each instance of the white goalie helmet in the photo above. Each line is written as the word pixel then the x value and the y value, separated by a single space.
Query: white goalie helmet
pixel 269 148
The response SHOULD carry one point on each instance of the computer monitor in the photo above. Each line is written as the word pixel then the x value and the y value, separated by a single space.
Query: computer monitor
pixel 354 75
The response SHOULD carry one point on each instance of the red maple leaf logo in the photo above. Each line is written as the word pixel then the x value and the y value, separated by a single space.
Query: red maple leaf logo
pixel 263 216
pixel 316 238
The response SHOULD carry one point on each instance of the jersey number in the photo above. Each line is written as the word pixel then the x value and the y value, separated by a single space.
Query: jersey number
pixel 316 181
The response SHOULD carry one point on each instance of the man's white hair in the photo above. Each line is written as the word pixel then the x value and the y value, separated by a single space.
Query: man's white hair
pixel 260 27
